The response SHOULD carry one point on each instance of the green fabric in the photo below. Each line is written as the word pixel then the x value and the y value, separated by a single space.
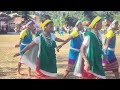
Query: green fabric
pixel 82 19
pixel 37 34
pixel 94 54
pixel 47 56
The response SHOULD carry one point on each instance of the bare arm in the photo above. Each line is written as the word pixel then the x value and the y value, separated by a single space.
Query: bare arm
pixel 65 41
pixel 29 46
pixel 106 45
pixel 83 48
pixel 86 63
pixel 59 40
pixel 18 45
pixel 83 51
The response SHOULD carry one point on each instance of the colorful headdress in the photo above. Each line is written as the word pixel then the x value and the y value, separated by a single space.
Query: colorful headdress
pixel 79 21
pixel 28 23
pixel 96 19
pixel 112 25
pixel 45 23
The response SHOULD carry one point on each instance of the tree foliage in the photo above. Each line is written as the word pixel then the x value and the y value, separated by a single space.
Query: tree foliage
pixel 59 17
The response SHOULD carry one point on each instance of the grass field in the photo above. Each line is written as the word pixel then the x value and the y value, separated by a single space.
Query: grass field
pixel 8 63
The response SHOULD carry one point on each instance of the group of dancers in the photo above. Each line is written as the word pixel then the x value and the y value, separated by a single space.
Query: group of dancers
pixel 88 57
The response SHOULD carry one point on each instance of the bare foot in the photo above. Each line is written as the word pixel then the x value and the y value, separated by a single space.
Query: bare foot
pixel 29 76
pixel 18 74
pixel 65 74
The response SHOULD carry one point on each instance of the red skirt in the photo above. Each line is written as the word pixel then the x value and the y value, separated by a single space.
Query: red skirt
pixel 110 66
pixel 40 75
pixel 88 75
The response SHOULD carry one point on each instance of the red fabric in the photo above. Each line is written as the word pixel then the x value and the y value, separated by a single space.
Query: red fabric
pixel 87 75
pixel 110 66
pixel 40 75
pixel 88 23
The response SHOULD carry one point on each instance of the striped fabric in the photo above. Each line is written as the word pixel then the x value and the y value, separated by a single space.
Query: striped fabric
pixel 111 65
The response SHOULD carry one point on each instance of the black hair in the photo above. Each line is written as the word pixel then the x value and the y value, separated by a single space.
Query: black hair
pixel 47 17
pixel 26 17
pixel 23 22
pixel 89 14
pixel 71 21
pixel 44 17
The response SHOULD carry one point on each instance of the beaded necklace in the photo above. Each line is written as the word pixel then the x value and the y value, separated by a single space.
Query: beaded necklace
pixel 48 40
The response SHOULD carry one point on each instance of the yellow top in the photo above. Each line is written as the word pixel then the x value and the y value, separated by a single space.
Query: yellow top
pixel 23 34
pixel 110 34
pixel 74 33
pixel 33 36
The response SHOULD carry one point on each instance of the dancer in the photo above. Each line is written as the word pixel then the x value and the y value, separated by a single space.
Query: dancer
pixel 91 51
pixel 111 63
pixel 45 65
pixel 25 38
pixel 75 44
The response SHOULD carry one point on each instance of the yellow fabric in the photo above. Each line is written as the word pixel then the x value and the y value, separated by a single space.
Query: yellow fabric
pixel 96 19
pixel 44 24
pixel 23 34
pixel 74 33
pixel 33 36
pixel 110 34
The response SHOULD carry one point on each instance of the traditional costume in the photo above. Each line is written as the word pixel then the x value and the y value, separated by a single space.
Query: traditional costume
pixel 42 57
pixel 111 64
pixel 93 54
